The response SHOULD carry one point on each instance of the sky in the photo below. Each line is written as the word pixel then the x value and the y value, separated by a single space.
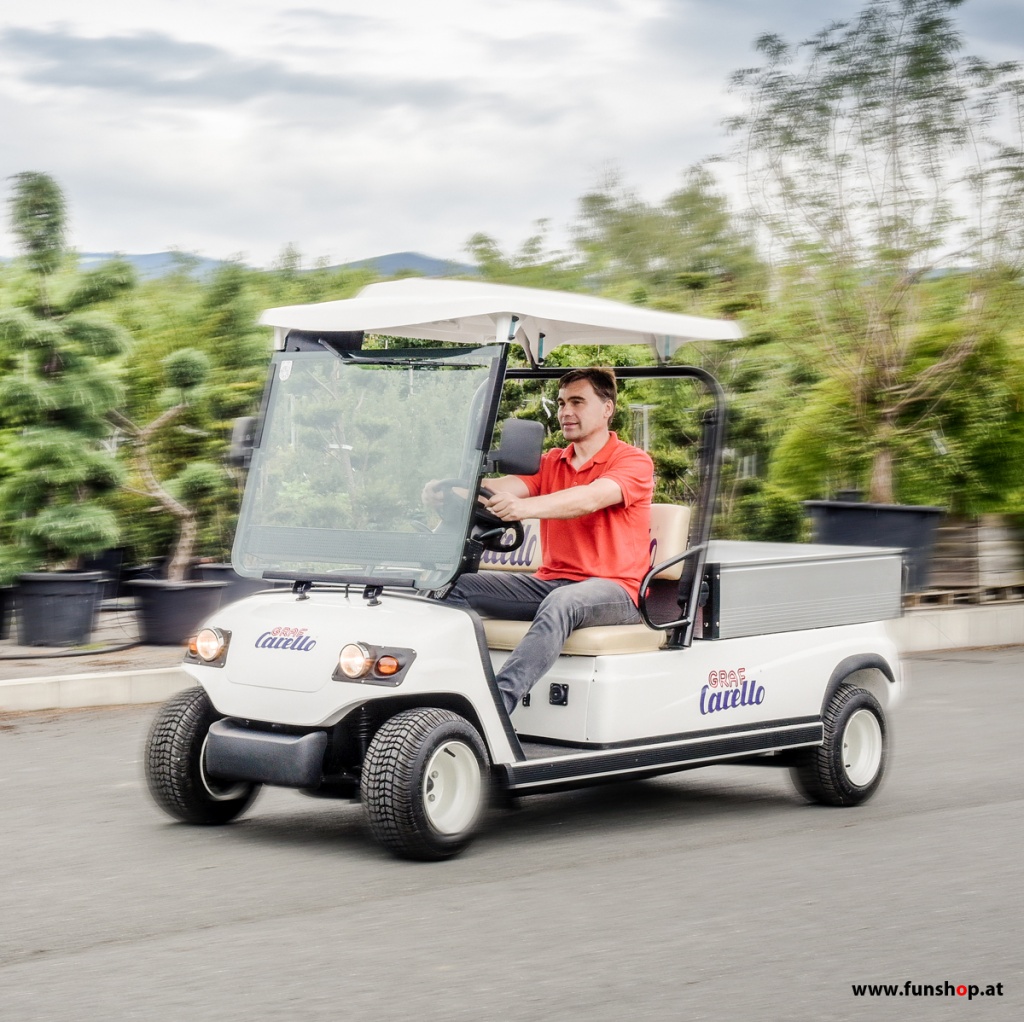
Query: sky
pixel 231 128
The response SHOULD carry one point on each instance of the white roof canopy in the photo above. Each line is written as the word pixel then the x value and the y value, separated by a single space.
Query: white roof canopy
pixel 478 312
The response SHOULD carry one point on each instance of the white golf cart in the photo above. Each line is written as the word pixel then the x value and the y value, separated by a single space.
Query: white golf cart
pixel 352 679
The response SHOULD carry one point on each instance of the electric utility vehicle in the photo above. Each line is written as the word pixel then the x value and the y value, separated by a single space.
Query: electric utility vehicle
pixel 354 679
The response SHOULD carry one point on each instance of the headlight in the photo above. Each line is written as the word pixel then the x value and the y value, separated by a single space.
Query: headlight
pixel 373 665
pixel 355 660
pixel 208 645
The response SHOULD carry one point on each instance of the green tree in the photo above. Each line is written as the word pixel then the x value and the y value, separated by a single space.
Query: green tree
pixel 688 253
pixel 238 348
pixel 962 449
pixel 875 154
pixel 197 482
pixel 535 264
pixel 57 386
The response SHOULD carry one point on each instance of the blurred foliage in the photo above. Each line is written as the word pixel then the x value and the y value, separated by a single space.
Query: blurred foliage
pixel 876 153
pixel 961 449
pixel 57 385
pixel 882 311
pixel 770 514
pixel 186 371
pixel 186 326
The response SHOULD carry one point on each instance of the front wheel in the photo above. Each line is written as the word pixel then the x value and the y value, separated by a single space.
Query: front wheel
pixel 847 768
pixel 175 764
pixel 424 783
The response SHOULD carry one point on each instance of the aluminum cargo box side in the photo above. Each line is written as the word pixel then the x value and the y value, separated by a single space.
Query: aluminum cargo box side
pixel 765 588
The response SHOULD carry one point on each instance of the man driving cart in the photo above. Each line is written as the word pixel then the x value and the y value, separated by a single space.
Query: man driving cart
pixel 593 499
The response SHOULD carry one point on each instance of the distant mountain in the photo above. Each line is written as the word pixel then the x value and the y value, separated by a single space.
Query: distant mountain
pixel 412 263
pixel 160 264
pixel 155 264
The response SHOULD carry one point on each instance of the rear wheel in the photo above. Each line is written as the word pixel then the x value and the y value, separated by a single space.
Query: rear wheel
pixel 424 783
pixel 175 764
pixel 848 767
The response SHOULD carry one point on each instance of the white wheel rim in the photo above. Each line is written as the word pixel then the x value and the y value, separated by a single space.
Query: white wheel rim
pixel 452 787
pixel 862 748
pixel 220 791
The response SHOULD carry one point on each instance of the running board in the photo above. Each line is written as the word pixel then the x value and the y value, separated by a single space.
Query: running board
pixel 591 767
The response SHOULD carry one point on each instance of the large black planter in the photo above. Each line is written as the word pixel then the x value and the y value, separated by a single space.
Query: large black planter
pixel 170 612
pixel 110 563
pixel 237 586
pixel 58 608
pixel 133 573
pixel 6 610
pixel 850 523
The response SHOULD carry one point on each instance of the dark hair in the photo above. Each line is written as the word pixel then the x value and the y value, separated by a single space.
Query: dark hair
pixel 602 380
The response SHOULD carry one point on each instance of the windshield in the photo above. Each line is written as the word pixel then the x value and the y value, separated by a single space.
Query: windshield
pixel 347 445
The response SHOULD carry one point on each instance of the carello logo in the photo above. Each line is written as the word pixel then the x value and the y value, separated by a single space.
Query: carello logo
pixel 726 690
pixel 521 557
pixel 294 639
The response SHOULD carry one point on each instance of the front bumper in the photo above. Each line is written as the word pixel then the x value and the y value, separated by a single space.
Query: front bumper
pixel 291 761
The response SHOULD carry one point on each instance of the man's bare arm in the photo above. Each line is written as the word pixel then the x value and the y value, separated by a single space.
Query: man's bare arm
pixel 512 485
pixel 573 502
pixel 433 495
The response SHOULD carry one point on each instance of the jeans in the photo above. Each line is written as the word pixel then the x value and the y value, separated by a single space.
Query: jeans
pixel 556 606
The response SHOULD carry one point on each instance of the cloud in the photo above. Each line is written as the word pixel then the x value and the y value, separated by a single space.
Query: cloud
pixel 153 65
pixel 335 21
pixel 356 129
pixel 692 31
pixel 995 24
pixel 692 28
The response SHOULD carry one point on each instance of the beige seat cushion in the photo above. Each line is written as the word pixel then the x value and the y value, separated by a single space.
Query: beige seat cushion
pixel 670 533
pixel 601 641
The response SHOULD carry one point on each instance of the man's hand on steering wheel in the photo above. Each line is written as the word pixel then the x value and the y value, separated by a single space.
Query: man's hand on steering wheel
pixel 496 528
pixel 493 525
pixel 505 506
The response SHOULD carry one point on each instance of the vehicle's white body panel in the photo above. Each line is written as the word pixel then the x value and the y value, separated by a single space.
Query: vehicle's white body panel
pixel 612 699
pixel 634 697
pixel 285 686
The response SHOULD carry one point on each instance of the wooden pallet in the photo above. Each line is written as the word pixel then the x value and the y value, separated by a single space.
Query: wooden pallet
pixel 977 553
pixel 932 598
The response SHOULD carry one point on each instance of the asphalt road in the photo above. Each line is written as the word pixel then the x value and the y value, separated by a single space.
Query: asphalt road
pixel 715 894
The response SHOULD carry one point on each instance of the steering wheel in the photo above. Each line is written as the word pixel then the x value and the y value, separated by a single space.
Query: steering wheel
pixel 494 528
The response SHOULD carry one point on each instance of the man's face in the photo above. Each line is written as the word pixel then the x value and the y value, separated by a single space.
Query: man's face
pixel 581 413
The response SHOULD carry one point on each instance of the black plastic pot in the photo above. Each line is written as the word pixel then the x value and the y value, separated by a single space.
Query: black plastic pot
pixel 58 608
pixel 133 573
pixel 237 586
pixel 110 563
pixel 6 610
pixel 910 527
pixel 170 612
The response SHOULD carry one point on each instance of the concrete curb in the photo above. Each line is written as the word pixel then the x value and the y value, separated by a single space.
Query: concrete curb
pixel 111 688
pixel 926 631
pixel 918 631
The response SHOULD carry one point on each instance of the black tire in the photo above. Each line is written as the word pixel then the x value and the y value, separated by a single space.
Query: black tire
pixel 425 783
pixel 848 767
pixel 174 764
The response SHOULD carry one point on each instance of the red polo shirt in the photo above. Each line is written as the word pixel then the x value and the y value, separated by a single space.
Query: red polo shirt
pixel 612 543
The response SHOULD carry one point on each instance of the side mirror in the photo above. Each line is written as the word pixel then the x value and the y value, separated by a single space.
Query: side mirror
pixel 243 433
pixel 522 444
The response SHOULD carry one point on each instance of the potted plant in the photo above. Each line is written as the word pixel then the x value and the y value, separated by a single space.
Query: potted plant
pixel 879 164
pixel 171 608
pixel 57 383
